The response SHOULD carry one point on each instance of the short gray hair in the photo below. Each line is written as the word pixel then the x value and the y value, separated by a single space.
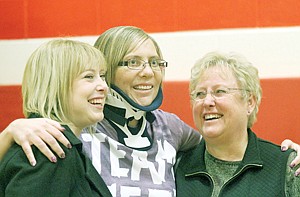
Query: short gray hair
pixel 246 75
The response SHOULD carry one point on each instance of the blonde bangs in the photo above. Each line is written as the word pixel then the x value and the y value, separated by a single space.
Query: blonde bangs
pixel 49 74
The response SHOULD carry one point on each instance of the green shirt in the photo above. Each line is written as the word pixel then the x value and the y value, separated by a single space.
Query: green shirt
pixel 221 171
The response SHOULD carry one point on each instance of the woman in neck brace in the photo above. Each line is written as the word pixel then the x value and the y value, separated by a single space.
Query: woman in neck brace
pixel 135 146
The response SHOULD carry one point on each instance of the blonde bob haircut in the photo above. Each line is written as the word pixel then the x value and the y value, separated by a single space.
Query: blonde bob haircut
pixel 49 75
pixel 246 75
pixel 117 42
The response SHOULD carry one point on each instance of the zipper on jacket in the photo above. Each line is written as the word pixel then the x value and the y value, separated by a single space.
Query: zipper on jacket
pixel 227 182
pixel 204 174
pixel 237 174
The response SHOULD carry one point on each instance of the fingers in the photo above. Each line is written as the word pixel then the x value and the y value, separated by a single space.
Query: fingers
pixel 37 139
pixel 290 144
pixel 297 172
pixel 39 142
pixel 54 124
pixel 29 154
pixel 48 135
pixel 55 131
pixel 294 163
pixel 39 132
pixel 286 144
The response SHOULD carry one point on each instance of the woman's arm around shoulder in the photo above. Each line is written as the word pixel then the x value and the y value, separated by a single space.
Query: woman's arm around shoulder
pixel 292 182
pixel 36 131
pixel 296 147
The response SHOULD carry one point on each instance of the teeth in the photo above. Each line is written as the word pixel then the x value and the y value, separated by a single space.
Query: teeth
pixel 96 101
pixel 212 116
pixel 143 87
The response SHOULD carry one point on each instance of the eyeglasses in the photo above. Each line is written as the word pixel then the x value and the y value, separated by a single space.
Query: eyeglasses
pixel 138 64
pixel 219 93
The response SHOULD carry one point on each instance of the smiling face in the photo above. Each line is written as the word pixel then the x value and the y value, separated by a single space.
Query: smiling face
pixel 140 85
pixel 223 117
pixel 87 99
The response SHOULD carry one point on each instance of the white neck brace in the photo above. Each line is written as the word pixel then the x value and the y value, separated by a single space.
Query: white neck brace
pixel 135 141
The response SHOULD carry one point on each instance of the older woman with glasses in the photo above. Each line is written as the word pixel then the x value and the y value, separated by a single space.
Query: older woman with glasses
pixel 231 160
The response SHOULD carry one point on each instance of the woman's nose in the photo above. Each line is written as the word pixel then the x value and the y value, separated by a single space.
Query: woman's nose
pixel 101 85
pixel 147 70
pixel 209 99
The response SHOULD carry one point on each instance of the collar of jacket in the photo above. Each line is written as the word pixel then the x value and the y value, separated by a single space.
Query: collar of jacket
pixel 196 165
pixel 75 142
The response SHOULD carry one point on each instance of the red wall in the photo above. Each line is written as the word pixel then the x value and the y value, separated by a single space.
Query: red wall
pixel 36 18
pixel 278 116
pixel 22 19
pixel 10 104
